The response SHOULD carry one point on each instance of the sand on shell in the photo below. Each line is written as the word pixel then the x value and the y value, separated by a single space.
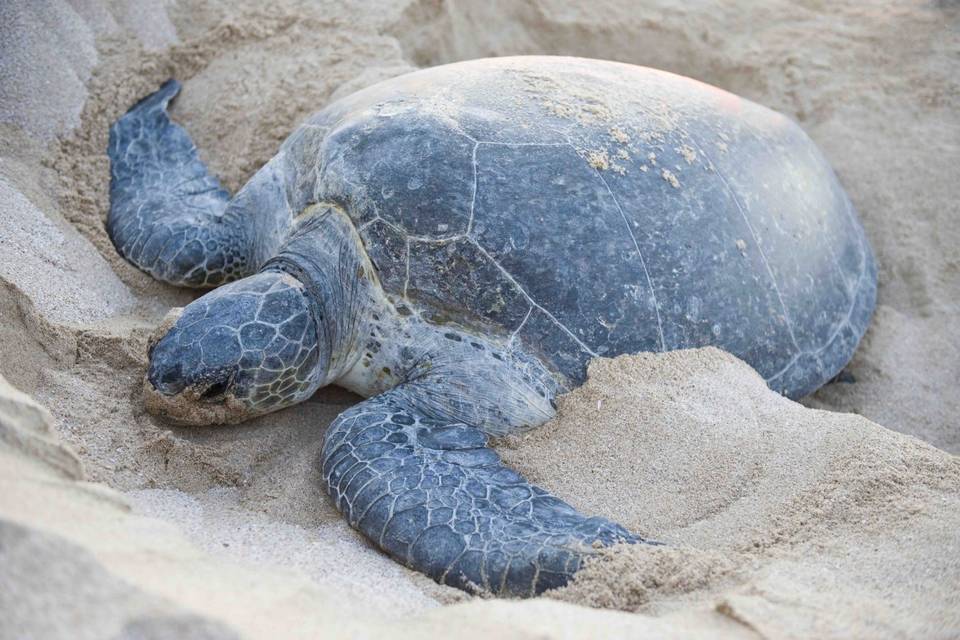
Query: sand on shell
pixel 782 521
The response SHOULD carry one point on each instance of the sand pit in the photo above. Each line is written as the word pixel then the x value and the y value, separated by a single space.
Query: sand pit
pixel 782 521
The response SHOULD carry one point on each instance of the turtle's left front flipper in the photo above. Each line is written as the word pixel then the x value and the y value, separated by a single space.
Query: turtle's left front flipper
pixel 166 209
pixel 436 498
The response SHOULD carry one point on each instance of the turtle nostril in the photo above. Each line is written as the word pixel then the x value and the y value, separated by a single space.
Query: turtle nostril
pixel 215 390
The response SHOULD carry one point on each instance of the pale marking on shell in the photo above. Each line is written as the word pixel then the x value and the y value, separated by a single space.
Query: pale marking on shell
pixel 840 326
pixel 406 281
pixel 473 198
pixel 513 335
pixel 756 241
pixel 853 299
pixel 848 210
pixel 532 302
pixel 643 263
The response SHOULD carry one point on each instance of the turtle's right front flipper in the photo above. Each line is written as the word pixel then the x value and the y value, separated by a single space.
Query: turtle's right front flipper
pixel 437 499
pixel 166 209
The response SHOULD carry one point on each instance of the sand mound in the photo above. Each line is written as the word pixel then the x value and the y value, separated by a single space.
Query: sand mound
pixel 785 517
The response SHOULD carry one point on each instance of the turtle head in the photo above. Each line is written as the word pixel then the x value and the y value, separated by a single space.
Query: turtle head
pixel 245 349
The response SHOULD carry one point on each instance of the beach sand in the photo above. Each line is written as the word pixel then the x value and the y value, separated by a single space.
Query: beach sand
pixel 783 520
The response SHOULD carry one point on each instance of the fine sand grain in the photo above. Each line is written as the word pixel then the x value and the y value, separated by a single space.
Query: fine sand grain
pixel 781 521
pixel 818 519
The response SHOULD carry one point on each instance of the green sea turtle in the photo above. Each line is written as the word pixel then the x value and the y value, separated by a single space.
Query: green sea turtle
pixel 455 244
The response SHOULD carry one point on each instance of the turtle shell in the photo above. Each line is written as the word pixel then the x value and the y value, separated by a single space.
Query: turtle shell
pixel 591 208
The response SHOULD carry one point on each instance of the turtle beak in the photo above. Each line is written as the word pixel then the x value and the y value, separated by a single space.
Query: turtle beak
pixel 166 378
pixel 210 401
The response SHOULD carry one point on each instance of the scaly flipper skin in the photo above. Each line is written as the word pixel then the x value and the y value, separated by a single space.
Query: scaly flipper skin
pixel 437 499
pixel 166 209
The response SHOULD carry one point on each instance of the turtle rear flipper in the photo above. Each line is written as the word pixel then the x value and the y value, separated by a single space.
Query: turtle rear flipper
pixel 437 499
pixel 167 212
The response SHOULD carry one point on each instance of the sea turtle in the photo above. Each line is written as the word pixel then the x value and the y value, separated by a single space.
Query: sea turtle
pixel 455 245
